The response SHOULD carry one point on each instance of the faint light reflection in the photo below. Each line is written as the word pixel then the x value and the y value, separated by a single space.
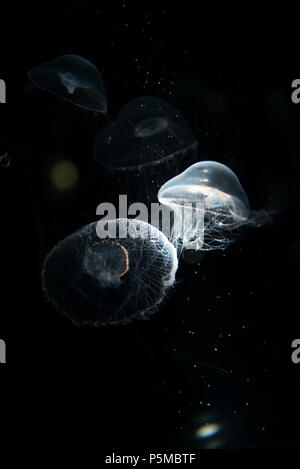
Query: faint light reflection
pixel 207 430
pixel 64 175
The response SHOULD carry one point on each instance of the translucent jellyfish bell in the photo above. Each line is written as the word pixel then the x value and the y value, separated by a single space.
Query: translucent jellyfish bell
pixel 147 132
pixel 74 79
pixel 207 198
pixel 109 272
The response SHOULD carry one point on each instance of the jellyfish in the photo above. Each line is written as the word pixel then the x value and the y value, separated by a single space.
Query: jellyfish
pixel 147 132
pixel 73 79
pixel 207 201
pixel 109 272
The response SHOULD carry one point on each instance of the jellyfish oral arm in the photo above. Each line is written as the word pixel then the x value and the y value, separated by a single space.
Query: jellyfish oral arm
pixel 188 225
pixel 193 227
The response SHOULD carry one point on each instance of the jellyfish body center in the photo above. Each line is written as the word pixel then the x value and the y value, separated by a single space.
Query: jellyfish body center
pixel 107 262
pixel 151 126
pixel 71 82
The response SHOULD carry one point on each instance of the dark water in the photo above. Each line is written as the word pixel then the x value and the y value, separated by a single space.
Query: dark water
pixel 218 351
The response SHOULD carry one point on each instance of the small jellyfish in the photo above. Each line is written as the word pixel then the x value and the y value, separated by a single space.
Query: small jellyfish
pixel 208 201
pixel 147 132
pixel 109 272
pixel 74 79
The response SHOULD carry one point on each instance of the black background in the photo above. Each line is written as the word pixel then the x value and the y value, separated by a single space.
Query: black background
pixel 219 348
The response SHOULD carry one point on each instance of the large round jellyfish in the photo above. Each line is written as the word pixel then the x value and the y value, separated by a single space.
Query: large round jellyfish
pixel 74 79
pixel 147 132
pixel 207 199
pixel 109 272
